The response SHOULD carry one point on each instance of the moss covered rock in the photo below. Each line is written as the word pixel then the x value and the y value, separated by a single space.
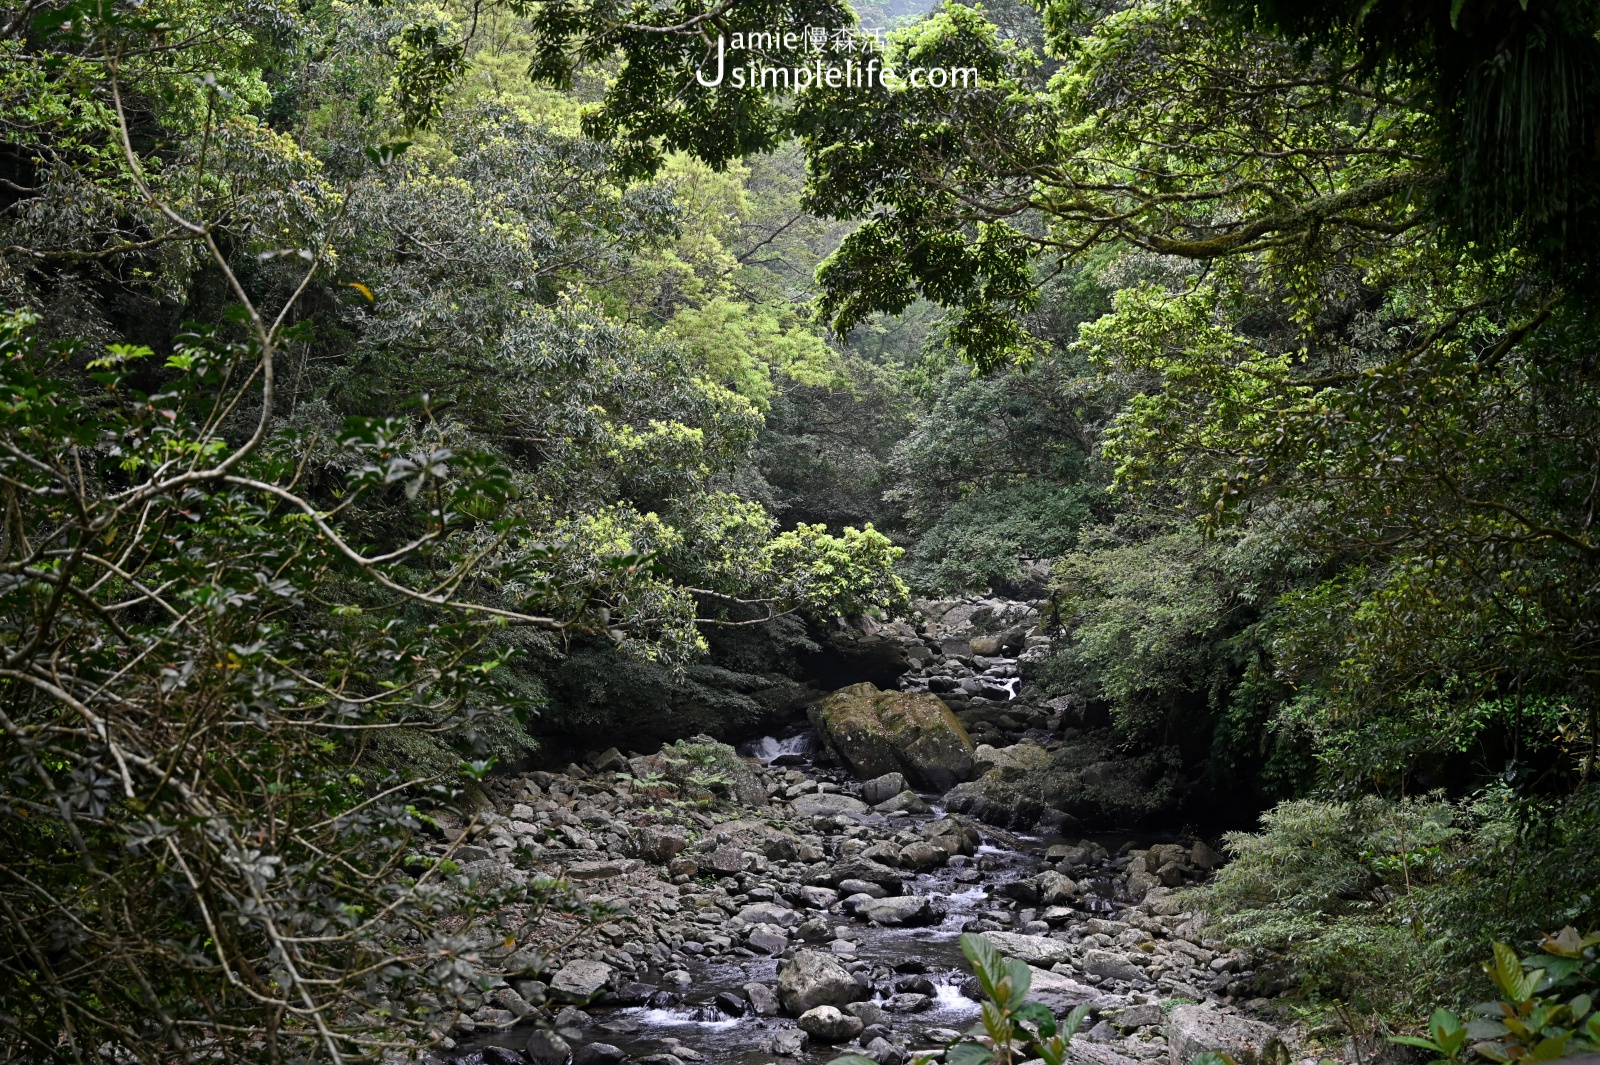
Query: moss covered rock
pixel 877 732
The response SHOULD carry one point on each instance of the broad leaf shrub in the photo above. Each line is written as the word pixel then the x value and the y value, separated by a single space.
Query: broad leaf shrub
pixel 1545 1008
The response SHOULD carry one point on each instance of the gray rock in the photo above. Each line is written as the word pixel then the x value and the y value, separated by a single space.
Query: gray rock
pixel 812 978
pixel 599 1054
pixel 1205 857
pixel 1056 889
pixel 727 860
pixel 898 910
pixel 1132 1017
pixel 769 913
pixel 905 802
pixel 853 903
pixel 908 1002
pixel 573 1017
pixel 491 872
pixel 869 1012
pixel 1009 763
pixel 878 789
pixel 658 844
pixel 922 856
pixel 508 998
pixel 608 761
pixel 1109 966
pixel 547 1048
pixel 861 887
pixel 1060 993
pixel 789 1043
pixel 1035 950
pixel 602 870
pixel 814 931
pixel 580 980
pixel 827 1024
pixel 535 991
pixel 828 805
pixel 1193 1030
pixel 857 868
pixel 818 898
pixel 768 943
pixel 1161 854
pixel 885 852
pixel 884 1052
pixel 1082 1052
pixel 763 1000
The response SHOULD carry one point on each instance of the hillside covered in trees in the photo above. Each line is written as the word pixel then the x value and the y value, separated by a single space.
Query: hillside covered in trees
pixel 1191 406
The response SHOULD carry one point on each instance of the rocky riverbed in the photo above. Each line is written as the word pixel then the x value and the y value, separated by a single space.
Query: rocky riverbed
pixel 771 909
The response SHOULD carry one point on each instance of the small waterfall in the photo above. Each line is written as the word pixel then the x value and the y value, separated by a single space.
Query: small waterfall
pixel 769 748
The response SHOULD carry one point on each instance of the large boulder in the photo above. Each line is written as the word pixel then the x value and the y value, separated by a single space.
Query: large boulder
pixel 1035 950
pixel 828 804
pixel 885 787
pixel 687 763
pixel 1057 889
pixel 898 910
pixel 1193 1030
pixel 878 732
pixel 1010 763
pixel 580 979
pixel 1087 781
pixel 1060 993
pixel 658 844
pixel 833 874
pixel 811 979
pixel 1109 965
pixel 1005 804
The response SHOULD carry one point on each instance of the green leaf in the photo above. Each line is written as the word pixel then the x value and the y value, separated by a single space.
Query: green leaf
pixel 1417 1041
pixel 1021 980
pixel 1550 1048
pixel 968 1054
pixel 987 964
pixel 1037 1013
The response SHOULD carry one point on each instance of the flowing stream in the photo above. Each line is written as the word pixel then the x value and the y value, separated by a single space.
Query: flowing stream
pixel 689 1023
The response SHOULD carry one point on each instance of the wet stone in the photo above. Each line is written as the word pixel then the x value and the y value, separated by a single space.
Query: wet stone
pixel 829 1024
pixel 599 1054
pixel 768 943
pixel 763 1000
pixel 789 1042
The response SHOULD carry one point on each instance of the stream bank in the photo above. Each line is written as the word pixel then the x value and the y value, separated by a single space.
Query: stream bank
pixel 804 896
pixel 796 904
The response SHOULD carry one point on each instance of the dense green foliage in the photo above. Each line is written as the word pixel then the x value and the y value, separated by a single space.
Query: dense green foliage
pixel 389 387
pixel 1343 397
pixel 322 454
